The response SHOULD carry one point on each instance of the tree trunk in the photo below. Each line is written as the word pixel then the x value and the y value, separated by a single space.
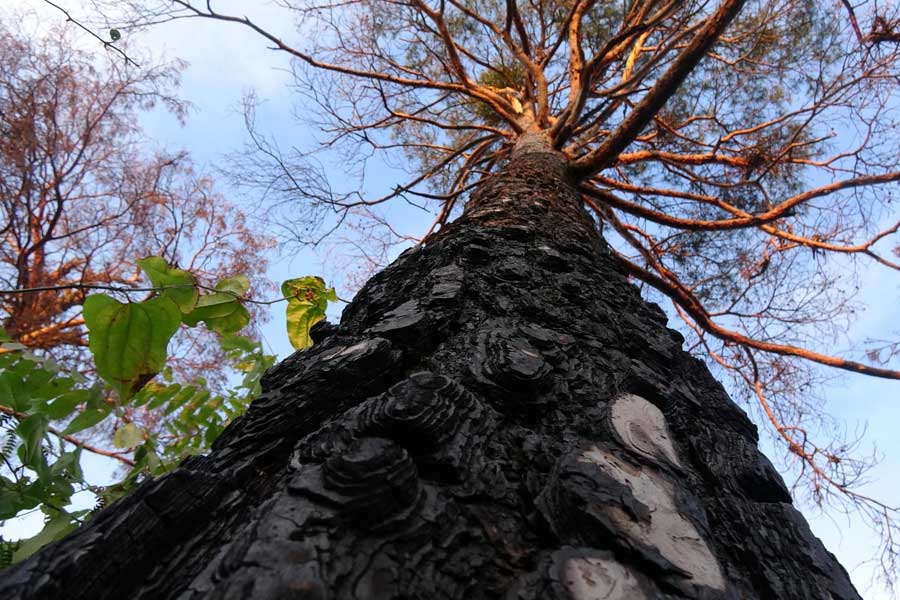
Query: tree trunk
pixel 499 415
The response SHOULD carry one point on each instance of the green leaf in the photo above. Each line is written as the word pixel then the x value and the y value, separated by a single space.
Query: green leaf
pixel 155 394
pixel 13 498
pixel 307 301
pixel 310 288
pixel 68 465
pixel 129 341
pixel 88 418
pixel 212 432
pixel 183 395
pixel 65 405
pixel 56 528
pixel 128 436
pixel 145 461
pixel 162 275
pixel 12 391
pixel 221 311
pixel 32 430
pixel 44 384
pixel 213 306
pixel 238 342
pixel 237 285
pixel 301 316
pixel 231 323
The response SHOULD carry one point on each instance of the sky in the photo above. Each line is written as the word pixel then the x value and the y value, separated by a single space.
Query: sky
pixel 226 61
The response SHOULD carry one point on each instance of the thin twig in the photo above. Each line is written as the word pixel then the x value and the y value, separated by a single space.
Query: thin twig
pixel 111 454
pixel 106 43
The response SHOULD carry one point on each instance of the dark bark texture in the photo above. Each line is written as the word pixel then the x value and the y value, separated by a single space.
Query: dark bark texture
pixel 498 415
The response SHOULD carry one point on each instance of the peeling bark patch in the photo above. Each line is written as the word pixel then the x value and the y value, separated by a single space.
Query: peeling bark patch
pixel 667 530
pixel 590 578
pixel 642 427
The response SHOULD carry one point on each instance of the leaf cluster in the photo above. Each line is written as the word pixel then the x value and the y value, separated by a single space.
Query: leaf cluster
pixel 129 343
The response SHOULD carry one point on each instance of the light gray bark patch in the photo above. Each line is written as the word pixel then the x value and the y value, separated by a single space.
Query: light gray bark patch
pixel 642 427
pixel 667 530
pixel 592 578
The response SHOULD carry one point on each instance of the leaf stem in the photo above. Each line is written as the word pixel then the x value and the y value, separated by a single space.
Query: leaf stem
pixel 127 290
pixel 72 440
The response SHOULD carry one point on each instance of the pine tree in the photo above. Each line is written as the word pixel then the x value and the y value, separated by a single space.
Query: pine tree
pixel 498 415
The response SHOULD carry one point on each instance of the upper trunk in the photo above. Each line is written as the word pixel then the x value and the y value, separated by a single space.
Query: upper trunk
pixel 534 191
pixel 499 415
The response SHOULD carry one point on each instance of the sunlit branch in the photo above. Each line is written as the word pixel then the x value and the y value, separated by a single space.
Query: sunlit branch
pixel 522 52
pixel 745 219
pixel 667 84
pixel 119 456
pixel 671 287
pixel 319 64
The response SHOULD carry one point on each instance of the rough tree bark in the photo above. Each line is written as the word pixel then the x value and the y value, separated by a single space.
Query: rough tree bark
pixel 498 415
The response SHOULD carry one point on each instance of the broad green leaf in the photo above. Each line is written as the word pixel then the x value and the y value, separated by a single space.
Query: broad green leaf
pixel 31 430
pixel 56 528
pixel 213 305
pixel 16 497
pixel 231 323
pixel 68 465
pixel 88 418
pixel 238 342
pixel 162 275
pixel 41 384
pixel 221 311
pixel 129 341
pixel 98 396
pixel 145 460
pixel 12 391
pixel 237 285
pixel 307 301
pixel 128 436
pixel 65 404
pixel 301 316
pixel 310 288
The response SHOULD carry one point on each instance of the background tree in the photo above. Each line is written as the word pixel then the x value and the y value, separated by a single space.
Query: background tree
pixel 741 157
pixel 83 197
pixel 498 415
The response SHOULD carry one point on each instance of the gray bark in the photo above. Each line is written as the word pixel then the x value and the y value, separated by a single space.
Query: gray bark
pixel 498 415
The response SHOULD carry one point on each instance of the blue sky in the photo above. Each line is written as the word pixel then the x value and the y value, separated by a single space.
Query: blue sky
pixel 226 61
